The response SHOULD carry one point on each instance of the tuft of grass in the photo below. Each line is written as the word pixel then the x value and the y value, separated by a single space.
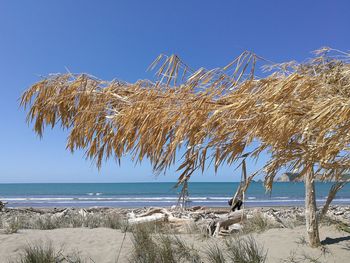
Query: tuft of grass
pixel 92 221
pixel 214 254
pixel 40 253
pixel 301 241
pixel 299 220
pixel 12 226
pixel 341 226
pixel 195 229
pixel 310 259
pixel 144 247
pixel 46 253
pixel 74 258
pixel 245 250
pixel 257 224
pixel 165 249
pixel 46 223
pixel 303 258
pixel 113 221
pixel 149 247
pixel 327 221
pixel 75 221
pixel 184 252
pixel 292 258
pixel 124 226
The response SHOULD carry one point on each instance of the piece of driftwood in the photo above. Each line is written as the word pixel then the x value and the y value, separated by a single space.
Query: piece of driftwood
pixel 215 220
pixel 158 217
pixel 224 222
pixel 152 211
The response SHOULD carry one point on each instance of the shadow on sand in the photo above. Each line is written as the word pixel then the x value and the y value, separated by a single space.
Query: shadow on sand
pixel 330 241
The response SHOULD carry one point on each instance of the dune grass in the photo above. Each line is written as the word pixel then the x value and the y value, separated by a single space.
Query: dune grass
pixel 46 253
pixel 12 226
pixel 40 253
pixel 257 224
pixel 214 253
pixel 47 222
pixel 149 245
pixel 152 246
pixel 245 250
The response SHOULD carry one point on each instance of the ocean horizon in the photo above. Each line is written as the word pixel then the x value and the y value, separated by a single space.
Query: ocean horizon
pixel 211 194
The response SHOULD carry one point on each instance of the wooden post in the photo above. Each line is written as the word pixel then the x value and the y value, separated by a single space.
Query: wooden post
pixel 310 209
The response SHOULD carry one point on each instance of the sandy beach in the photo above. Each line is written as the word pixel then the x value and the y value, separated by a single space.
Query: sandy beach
pixel 102 244
pixel 95 243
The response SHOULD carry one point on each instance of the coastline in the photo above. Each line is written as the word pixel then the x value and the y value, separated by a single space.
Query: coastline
pixel 159 194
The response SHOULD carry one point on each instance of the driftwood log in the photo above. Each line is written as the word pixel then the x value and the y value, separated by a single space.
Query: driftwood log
pixel 215 226
pixel 152 215
pixel 216 222
pixel 157 217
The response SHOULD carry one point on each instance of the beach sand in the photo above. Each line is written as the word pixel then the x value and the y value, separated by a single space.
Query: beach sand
pixel 103 244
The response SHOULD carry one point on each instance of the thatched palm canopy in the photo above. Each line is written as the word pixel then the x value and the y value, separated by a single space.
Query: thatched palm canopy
pixel 298 112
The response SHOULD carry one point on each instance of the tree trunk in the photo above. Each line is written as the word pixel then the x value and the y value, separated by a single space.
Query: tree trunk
pixel 332 193
pixel 310 209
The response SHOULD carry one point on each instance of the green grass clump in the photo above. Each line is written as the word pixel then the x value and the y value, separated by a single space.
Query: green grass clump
pixel 46 253
pixel 47 223
pixel 12 226
pixel 341 226
pixel 76 220
pixel 184 252
pixel 257 224
pixel 113 221
pixel 301 241
pixel 214 254
pixel 40 253
pixel 150 246
pixel 145 249
pixel 245 250
pixel 92 221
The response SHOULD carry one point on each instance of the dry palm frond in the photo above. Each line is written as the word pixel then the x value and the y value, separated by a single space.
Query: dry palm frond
pixel 300 113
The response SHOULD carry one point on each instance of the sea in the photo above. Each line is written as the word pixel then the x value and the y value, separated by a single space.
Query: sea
pixel 159 194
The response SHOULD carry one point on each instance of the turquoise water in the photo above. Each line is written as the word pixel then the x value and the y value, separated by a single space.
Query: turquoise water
pixel 156 194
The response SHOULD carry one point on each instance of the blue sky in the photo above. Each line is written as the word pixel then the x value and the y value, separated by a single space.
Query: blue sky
pixel 119 39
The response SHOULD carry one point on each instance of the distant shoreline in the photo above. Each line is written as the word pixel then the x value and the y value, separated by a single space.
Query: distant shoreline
pixel 159 194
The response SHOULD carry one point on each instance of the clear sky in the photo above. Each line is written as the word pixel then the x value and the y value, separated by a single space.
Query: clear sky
pixel 119 39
